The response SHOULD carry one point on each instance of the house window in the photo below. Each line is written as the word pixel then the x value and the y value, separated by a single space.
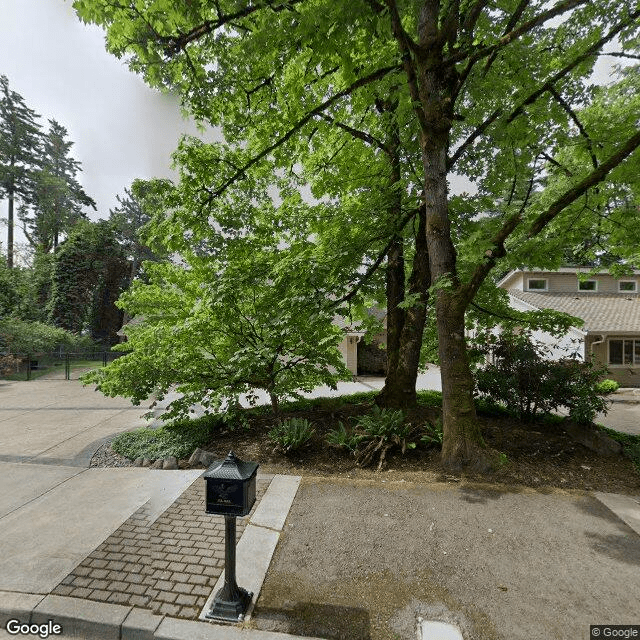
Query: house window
pixel 627 286
pixel 587 285
pixel 537 284
pixel 624 352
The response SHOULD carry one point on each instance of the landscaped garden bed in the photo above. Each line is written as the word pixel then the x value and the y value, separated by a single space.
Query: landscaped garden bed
pixel 539 454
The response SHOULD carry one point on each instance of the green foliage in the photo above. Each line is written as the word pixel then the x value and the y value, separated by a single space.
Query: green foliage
pixel 385 423
pixel 378 431
pixel 291 434
pixel 343 438
pixel 434 434
pixel 58 196
pixel 242 311
pixel 523 379
pixel 178 439
pixel 336 97
pixel 606 387
pixel 429 398
pixel 88 275
pixel 23 337
pixel 630 443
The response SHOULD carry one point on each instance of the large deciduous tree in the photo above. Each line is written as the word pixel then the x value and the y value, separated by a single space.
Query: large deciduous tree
pixel 20 148
pixel 488 90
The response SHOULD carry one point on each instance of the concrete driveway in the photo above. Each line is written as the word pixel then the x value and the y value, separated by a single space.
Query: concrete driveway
pixel 53 509
pixel 59 421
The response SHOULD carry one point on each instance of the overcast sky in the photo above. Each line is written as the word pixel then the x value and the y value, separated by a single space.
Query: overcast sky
pixel 121 128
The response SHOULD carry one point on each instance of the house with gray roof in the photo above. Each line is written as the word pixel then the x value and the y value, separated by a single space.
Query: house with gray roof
pixel 609 306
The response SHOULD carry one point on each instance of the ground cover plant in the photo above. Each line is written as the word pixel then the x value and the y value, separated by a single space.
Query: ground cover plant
pixel 538 454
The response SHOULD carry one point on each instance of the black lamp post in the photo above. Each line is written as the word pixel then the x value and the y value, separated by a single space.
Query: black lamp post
pixel 230 491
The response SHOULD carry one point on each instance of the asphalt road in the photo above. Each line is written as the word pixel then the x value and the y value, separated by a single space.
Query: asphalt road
pixel 360 560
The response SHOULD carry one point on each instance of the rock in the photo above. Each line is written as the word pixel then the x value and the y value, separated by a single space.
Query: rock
pixel 138 462
pixel 593 439
pixel 170 463
pixel 146 462
pixel 207 458
pixel 194 460
pixel 157 464
pixel 201 457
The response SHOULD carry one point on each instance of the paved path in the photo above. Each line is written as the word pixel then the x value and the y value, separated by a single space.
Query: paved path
pixel 60 421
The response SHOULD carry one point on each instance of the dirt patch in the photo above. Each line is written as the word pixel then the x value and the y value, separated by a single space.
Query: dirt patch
pixel 538 455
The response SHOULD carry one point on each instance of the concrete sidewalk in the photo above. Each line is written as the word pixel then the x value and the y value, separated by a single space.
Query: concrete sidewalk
pixel 155 576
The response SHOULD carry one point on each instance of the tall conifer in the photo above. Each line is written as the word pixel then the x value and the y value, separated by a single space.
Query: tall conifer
pixel 20 148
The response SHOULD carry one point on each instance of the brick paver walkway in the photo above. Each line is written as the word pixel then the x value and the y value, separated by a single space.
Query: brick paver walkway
pixel 170 566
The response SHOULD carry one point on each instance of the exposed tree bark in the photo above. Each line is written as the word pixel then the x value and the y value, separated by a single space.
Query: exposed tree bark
pixel 399 390
pixel 463 443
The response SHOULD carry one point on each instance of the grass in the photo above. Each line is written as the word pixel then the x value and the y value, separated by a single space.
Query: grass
pixel 48 367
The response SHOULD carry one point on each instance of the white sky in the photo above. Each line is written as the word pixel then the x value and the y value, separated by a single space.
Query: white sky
pixel 121 128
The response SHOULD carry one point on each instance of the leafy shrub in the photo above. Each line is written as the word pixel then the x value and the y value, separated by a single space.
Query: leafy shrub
pixel 607 386
pixel 291 434
pixel 522 379
pixel 429 398
pixel 178 439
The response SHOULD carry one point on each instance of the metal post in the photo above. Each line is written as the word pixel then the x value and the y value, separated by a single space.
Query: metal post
pixel 28 366
pixel 67 367
pixel 104 358
pixel 231 602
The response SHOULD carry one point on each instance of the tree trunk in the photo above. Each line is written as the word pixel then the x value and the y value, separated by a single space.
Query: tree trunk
pixel 399 391
pixel 462 442
pixel 462 445
pixel 10 232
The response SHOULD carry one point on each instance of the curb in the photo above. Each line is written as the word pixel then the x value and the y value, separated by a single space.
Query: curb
pixel 106 621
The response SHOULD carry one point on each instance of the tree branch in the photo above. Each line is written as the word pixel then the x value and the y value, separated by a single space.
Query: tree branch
pixel 506 39
pixel 572 114
pixel 406 45
pixel 378 261
pixel 175 44
pixel 589 181
pixel 361 82
pixel 592 50
pixel 356 133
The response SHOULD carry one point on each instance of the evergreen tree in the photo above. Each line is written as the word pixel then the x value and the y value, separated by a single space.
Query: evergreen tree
pixel 20 144
pixel 58 196
pixel 133 212
pixel 88 275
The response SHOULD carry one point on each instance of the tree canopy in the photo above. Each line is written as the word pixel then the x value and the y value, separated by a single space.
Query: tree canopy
pixel 315 93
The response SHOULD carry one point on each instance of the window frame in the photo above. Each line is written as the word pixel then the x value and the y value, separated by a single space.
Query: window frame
pixel 545 280
pixel 595 288
pixel 633 282
pixel 635 352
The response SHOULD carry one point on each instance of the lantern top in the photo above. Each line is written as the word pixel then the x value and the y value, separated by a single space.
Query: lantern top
pixel 231 468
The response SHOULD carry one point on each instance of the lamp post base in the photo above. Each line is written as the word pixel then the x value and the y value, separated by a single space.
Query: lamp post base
pixel 227 610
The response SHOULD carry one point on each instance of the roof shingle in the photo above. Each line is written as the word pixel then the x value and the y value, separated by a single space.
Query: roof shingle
pixel 601 312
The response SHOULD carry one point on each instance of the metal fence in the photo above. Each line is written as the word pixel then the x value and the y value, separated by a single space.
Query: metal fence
pixel 53 365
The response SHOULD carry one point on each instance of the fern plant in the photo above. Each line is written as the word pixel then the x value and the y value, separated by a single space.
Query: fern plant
pixel 291 434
